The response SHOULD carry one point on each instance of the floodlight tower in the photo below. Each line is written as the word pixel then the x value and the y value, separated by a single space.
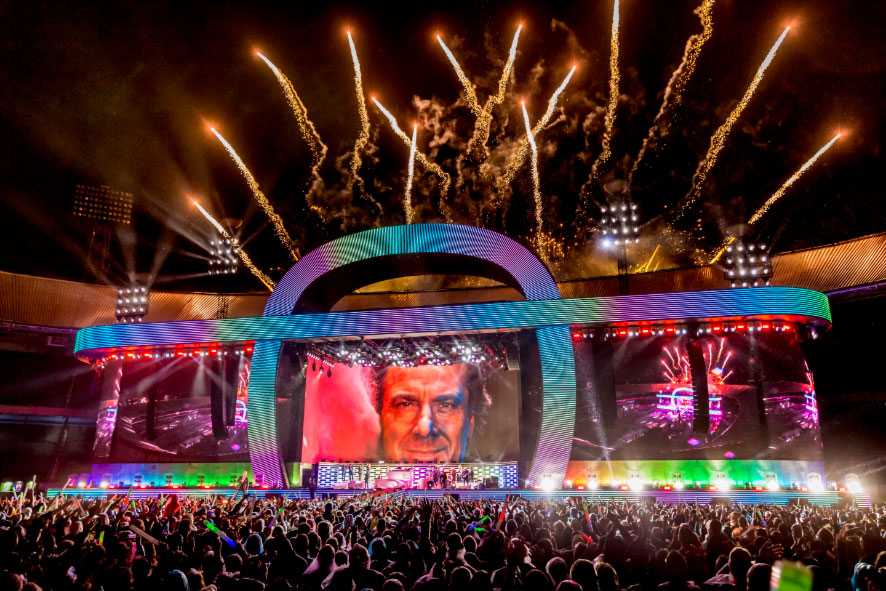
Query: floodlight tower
pixel 223 251
pixel 132 303
pixel 620 227
pixel 103 208
pixel 747 264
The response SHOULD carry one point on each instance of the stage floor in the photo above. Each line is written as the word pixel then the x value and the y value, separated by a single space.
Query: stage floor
pixel 745 497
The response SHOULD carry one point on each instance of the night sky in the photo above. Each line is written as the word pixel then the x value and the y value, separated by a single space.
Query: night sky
pixel 116 94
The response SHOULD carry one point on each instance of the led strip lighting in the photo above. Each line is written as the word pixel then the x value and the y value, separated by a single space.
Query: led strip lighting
pixel 543 311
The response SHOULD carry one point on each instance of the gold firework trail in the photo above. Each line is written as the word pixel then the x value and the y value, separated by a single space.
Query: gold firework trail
pixel 645 268
pixel 276 220
pixel 363 137
pixel 763 209
pixel 718 140
pixel 469 92
pixel 609 119
pixel 247 262
pixel 509 67
pixel 536 182
pixel 410 173
pixel 484 119
pixel 515 160
pixel 305 126
pixel 673 93
pixel 419 156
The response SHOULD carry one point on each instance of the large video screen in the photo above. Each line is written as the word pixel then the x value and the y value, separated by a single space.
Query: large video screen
pixel 441 410
pixel 164 411
pixel 636 399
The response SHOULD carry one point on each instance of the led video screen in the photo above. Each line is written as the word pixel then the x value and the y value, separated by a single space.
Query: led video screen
pixel 437 411
pixel 165 410
pixel 636 399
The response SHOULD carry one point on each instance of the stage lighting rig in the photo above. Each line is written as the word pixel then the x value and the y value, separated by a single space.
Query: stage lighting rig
pixel 747 264
pixel 132 303
pixel 413 352
pixel 224 256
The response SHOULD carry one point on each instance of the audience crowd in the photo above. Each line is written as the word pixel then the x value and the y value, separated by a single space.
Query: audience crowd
pixel 395 542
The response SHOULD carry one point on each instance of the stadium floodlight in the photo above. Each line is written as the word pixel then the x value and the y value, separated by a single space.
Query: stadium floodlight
pixel 620 224
pixel 747 264
pixel 224 259
pixel 103 204
pixel 132 303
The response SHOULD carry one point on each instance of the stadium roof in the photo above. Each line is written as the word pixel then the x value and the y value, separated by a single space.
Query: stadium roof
pixel 26 300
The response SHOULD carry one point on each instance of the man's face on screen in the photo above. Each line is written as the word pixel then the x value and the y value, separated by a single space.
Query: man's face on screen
pixel 424 416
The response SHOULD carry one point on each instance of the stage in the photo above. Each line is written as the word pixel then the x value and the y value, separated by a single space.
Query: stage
pixel 680 396
pixel 744 497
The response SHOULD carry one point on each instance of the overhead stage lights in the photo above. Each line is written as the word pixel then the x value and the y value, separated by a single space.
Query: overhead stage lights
pixel 132 304
pixel 620 224
pixel 223 259
pixel 414 352
pixel 747 264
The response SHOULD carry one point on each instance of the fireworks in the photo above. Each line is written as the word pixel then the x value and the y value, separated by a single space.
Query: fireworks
pixel 536 182
pixel 305 126
pixel 276 220
pixel 761 211
pixel 486 157
pixel 646 268
pixel 247 262
pixel 363 137
pixel 484 119
pixel 410 173
pixel 469 93
pixel 419 156
pixel 509 67
pixel 718 140
pixel 673 93
pixel 609 120
pixel 515 160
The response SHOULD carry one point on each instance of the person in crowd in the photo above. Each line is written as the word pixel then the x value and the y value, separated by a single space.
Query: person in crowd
pixel 385 543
